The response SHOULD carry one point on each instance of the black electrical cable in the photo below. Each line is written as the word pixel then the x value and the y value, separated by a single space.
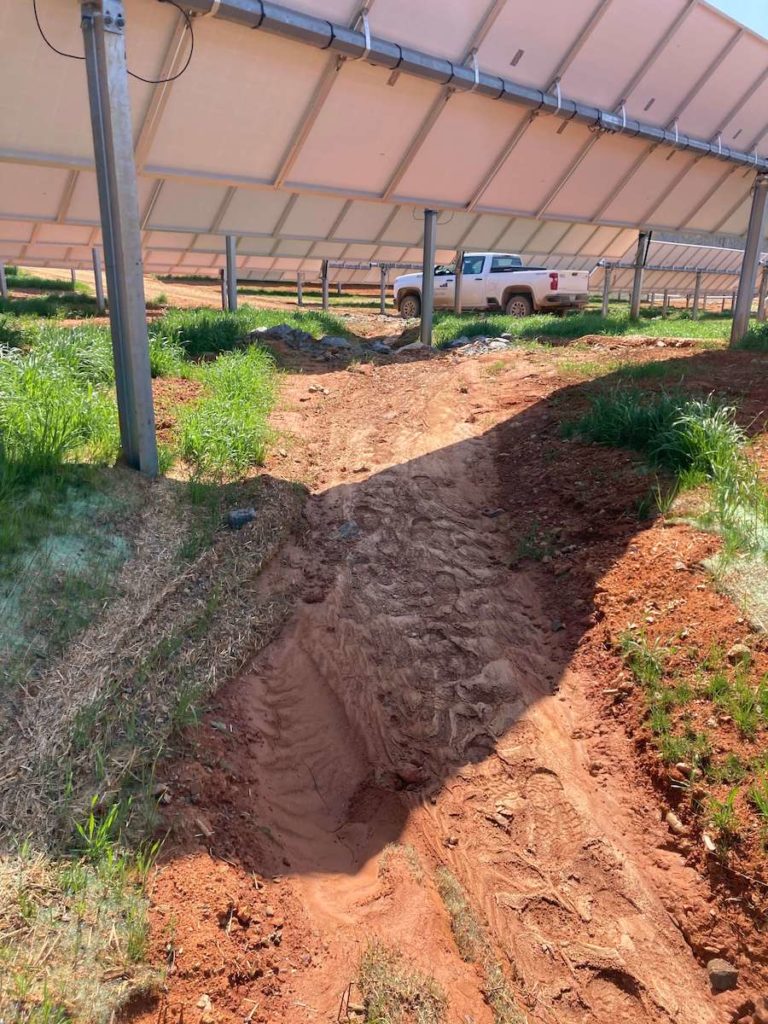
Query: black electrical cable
pixel 140 78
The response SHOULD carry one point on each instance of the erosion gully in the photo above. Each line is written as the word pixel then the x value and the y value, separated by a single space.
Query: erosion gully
pixel 431 691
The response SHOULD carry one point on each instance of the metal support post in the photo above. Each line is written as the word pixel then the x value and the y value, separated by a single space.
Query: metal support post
pixel 762 294
pixel 300 288
pixel 653 299
pixel 696 296
pixel 103 27
pixel 338 288
pixel 687 300
pixel 665 303
pixel 637 282
pixel 231 248
pixel 324 274
pixel 98 280
pixel 722 305
pixel 223 287
pixel 606 288
pixel 73 276
pixel 428 276
pixel 458 279
pixel 3 282
pixel 755 234
pixel 382 290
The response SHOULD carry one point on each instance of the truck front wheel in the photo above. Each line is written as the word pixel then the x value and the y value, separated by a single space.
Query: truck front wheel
pixel 518 305
pixel 410 307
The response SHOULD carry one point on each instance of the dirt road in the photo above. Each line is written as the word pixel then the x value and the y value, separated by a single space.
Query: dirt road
pixel 423 695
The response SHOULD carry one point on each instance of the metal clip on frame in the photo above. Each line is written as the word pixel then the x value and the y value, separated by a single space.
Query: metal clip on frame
pixel 367 32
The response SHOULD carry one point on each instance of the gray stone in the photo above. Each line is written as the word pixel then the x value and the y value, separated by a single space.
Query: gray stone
pixel 722 975
pixel 497 346
pixel 349 530
pixel 381 348
pixel 413 347
pixel 238 517
pixel 331 341
pixel 280 332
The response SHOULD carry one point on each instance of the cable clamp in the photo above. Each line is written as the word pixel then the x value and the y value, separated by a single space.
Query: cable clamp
pixel 367 32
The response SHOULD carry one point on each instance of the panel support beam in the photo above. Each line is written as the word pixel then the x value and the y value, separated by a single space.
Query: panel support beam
pixel 755 235
pixel 696 296
pixel 3 282
pixel 103 27
pixel 231 249
pixel 637 283
pixel 606 288
pixel 428 276
pixel 324 278
pixel 458 282
pixel 299 289
pixel 665 304
pixel 382 290
pixel 98 280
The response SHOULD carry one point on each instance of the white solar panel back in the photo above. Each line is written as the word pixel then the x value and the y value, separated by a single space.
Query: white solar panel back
pixel 258 120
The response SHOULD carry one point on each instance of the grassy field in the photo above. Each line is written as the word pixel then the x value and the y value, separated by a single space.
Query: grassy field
pixel 679 324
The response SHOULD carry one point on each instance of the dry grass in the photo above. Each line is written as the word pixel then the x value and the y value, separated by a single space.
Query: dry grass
pixel 396 993
pixel 474 946
pixel 82 737
pixel 72 939
pixel 405 853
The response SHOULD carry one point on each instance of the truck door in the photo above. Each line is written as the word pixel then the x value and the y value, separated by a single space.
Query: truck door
pixel 473 283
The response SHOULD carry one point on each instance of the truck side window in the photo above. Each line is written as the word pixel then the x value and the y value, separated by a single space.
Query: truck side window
pixel 473 265
pixel 501 264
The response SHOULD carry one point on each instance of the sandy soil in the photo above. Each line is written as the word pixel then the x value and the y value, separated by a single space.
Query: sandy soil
pixel 433 691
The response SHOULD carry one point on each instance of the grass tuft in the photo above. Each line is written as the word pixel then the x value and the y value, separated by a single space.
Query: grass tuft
pixel 394 992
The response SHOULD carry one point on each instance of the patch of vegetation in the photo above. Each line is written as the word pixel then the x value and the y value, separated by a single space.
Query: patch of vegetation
pixel 226 432
pixel 542 326
pixel 473 946
pixel 535 545
pixel 205 331
pixel 394 992
pixel 756 338
pixel 65 305
pixel 74 930
pixel 696 440
pixel 408 855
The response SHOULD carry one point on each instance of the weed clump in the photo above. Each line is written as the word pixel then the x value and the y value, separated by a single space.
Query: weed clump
pixel 396 993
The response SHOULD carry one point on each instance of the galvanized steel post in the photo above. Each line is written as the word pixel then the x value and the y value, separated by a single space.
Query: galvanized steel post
pixel 755 234
pixel 223 286
pixel 103 27
pixel 606 288
pixel 696 296
pixel 231 245
pixel 637 281
pixel 299 288
pixel 3 282
pixel 324 273
pixel 73 276
pixel 762 294
pixel 459 277
pixel 98 280
pixel 665 303
pixel 428 276
pixel 382 289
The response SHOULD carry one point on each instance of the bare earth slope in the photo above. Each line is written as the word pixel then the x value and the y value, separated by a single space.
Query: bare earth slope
pixel 420 694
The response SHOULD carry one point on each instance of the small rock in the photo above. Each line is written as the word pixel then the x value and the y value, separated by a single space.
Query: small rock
pixel 317 388
pixel 459 342
pixel 761 1010
pixel 381 349
pixel 557 625
pixel 709 843
pixel 451 841
pixel 681 567
pixel 497 346
pixel 738 653
pixel 349 530
pixel 413 347
pixel 204 827
pixel 722 975
pixel 269 911
pixel 675 825
pixel 238 517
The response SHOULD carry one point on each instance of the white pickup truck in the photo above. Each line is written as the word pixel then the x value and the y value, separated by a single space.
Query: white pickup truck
pixel 497 281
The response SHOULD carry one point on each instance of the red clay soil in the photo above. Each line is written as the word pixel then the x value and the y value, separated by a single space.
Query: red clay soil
pixel 169 394
pixel 438 687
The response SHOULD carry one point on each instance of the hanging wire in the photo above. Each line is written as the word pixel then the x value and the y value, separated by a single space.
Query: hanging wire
pixel 140 78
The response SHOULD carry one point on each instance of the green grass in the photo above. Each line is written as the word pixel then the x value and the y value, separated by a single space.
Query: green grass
pixel 22 280
pixel 394 992
pixel 546 327
pixel 474 946
pixel 60 306
pixel 225 433
pixel 205 331
pixel 699 442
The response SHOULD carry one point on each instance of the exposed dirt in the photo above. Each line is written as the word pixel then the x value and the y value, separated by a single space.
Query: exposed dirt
pixel 435 688
pixel 169 393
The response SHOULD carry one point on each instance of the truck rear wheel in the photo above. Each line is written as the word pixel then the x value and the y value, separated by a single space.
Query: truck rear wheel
pixel 410 307
pixel 518 305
